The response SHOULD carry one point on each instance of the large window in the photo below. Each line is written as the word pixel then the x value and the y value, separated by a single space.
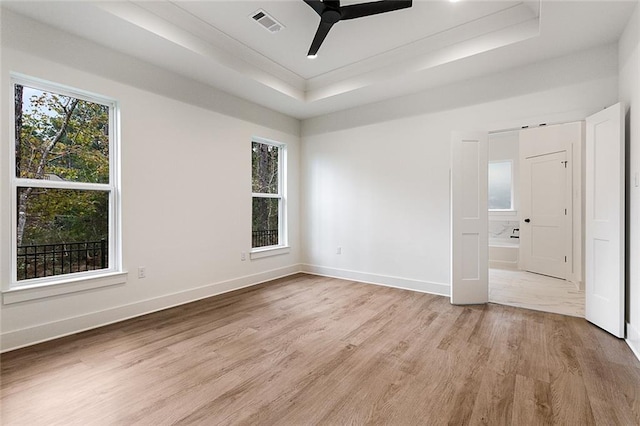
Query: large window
pixel 500 185
pixel 267 181
pixel 64 184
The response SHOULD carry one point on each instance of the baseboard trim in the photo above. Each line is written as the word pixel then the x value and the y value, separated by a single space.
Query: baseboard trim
pixel 17 339
pixel 383 280
pixel 633 340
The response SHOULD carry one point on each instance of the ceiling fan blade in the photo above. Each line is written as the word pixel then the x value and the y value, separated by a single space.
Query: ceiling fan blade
pixel 372 8
pixel 315 5
pixel 323 30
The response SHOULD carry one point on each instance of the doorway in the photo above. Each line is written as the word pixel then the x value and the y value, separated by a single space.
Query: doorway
pixel 531 213
pixel 603 224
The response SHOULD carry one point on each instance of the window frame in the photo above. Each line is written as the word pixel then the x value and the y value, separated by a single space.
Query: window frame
pixel 69 282
pixel 512 183
pixel 282 246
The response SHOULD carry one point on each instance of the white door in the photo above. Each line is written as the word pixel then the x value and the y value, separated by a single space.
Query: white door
pixel 469 225
pixel 544 222
pixel 604 220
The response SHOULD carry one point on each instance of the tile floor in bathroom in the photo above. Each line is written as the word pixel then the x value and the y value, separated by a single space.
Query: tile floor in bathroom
pixel 534 291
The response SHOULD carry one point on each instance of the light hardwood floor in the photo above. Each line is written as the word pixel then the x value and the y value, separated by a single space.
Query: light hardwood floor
pixel 534 291
pixel 312 350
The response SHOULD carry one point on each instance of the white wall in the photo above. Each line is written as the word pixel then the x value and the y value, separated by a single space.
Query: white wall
pixel 629 66
pixel 503 146
pixel 376 178
pixel 186 191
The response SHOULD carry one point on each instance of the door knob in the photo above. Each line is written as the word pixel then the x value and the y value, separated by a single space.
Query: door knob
pixel 527 220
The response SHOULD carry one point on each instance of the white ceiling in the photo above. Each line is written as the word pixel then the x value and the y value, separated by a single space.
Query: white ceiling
pixel 361 61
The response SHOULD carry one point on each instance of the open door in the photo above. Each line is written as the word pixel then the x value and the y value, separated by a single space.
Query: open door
pixel 469 226
pixel 604 225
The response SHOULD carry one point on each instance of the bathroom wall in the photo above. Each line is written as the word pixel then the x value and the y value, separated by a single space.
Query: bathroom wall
pixel 503 229
pixel 504 146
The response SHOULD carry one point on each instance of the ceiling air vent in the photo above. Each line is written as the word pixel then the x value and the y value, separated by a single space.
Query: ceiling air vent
pixel 267 21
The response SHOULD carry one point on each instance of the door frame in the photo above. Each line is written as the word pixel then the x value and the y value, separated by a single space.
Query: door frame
pixel 575 149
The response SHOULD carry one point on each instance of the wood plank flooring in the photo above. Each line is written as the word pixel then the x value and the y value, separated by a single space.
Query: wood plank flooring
pixel 312 350
pixel 534 291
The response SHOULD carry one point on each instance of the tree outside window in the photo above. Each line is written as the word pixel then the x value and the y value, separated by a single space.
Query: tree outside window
pixel 267 206
pixel 64 185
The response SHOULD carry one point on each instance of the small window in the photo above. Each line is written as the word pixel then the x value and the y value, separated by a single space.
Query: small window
pixel 500 185
pixel 64 185
pixel 268 206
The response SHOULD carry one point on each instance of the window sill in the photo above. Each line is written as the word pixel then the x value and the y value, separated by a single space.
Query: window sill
pixel 269 251
pixel 64 286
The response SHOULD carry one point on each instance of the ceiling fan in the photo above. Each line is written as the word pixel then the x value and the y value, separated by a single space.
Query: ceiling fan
pixel 331 12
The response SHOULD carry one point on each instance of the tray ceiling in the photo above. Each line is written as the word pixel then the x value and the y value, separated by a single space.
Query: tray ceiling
pixel 218 43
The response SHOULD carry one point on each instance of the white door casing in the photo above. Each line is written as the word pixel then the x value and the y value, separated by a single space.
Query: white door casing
pixel 545 221
pixel 469 219
pixel 605 220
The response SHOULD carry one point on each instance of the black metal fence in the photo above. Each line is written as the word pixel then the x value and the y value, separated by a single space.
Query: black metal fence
pixel 45 260
pixel 268 237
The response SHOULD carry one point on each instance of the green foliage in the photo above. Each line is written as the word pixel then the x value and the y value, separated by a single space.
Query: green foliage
pixel 82 152
pixel 62 138
pixel 64 216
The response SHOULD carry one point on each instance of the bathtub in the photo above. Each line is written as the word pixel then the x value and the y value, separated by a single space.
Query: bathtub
pixel 503 253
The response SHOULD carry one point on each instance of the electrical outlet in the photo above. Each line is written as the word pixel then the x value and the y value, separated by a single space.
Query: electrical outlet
pixel 142 272
pixel 339 250
pixel 243 256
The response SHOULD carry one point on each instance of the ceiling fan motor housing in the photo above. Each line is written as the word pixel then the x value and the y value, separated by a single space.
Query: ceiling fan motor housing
pixel 330 16
pixel 331 12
